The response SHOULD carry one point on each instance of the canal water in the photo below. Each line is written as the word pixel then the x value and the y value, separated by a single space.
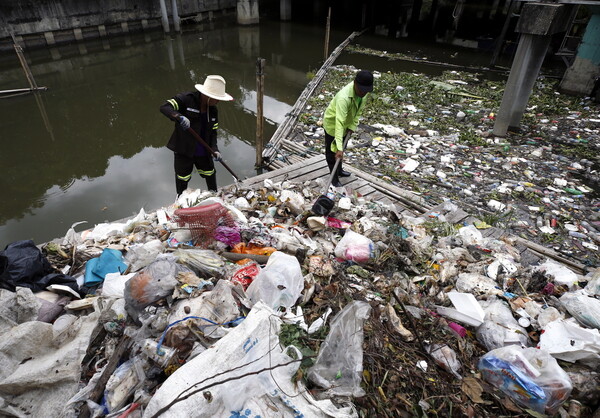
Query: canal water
pixel 92 147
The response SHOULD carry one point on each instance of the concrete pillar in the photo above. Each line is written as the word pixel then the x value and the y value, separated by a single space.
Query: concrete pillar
pixel 102 30
pixel 78 34
pixel 176 20
pixel 124 27
pixel 144 23
pixel 164 16
pixel 537 24
pixel 285 9
pixel 49 38
pixel 247 12
pixel 580 76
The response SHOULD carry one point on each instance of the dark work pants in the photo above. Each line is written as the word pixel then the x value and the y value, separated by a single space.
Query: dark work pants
pixel 330 156
pixel 184 166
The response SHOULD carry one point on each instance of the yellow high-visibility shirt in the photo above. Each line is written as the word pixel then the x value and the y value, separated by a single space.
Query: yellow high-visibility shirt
pixel 342 114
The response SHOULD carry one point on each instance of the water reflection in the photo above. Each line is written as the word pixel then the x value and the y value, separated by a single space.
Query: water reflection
pixel 95 139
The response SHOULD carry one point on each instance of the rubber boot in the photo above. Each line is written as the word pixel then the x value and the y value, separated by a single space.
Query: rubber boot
pixel 211 183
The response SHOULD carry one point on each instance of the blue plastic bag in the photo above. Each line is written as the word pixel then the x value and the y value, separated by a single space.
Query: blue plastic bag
pixel 110 261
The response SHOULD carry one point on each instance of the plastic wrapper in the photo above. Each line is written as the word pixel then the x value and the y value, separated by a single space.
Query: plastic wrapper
pixel 339 364
pixel 244 274
pixel 355 247
pixel 151 284
pixel 140 255
pixel 500 328
pixel 530 376
pixel 203 262
pixel 584 308
pixel 228 235
pixel 279 284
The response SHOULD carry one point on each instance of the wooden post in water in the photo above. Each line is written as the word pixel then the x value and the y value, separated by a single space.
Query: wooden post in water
pixel 260 92
pixel 23 62
pixel 326 51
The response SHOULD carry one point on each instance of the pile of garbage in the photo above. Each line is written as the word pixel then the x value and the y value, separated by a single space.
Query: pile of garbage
pixel 246 303
pixel 432 135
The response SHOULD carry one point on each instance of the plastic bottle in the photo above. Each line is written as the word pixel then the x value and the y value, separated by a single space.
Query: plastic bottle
pixel 162 356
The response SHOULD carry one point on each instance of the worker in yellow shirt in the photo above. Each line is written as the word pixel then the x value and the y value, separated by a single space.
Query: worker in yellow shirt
pixel 341 119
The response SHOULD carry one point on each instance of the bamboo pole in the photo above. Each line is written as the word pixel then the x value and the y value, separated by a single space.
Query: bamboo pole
pixel 260 93
pixel 23 62
pixel 327 27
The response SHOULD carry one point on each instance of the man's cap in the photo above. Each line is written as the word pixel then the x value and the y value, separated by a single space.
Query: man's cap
pixel 364 80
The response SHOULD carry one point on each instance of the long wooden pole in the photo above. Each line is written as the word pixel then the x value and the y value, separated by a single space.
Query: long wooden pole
pixel 260 94
pixel 23 62
pixel 326 50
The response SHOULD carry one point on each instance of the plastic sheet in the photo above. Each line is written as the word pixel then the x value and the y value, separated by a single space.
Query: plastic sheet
pixel 249 348
pixel 279 284
pixel 228 235
pixel 530 376
pixel 110 261
pixel 338 366
pixel 568 341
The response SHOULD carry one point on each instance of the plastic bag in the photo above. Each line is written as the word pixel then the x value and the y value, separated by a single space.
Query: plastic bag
pixel 339 364
pixel 569 342
pixel 114 284
pixel 140 255
pixel 203 262
pixel 530 376
pixel 128 377
pixel 355 247
pixel 228 235
pixel 499 328
pixel 445 357
pixel 279 283
pixel 584 308
pixel 151 284
pixel 561 274
pixel 593 286
pixel 217 306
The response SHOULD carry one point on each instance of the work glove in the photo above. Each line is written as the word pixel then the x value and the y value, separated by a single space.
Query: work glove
pixel 217 156
pixel 184 122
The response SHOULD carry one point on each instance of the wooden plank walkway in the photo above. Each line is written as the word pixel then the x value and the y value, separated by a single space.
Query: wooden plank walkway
pixel 366 185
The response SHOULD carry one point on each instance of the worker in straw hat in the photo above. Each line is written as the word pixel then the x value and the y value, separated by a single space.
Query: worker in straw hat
pixel 196 110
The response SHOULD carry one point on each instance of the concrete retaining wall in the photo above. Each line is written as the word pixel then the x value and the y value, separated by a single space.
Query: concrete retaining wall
pixel 47 22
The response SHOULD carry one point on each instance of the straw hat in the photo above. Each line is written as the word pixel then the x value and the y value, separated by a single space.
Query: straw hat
pixel 214 86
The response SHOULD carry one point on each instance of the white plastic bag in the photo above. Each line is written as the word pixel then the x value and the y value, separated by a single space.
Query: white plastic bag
pixel 500 328
pixel 562 275
pixel 338 367
pixel 355 247
pixel 531 377
pixel 279 284
pixel 140 255
pixel 114 284
pixel 584 308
